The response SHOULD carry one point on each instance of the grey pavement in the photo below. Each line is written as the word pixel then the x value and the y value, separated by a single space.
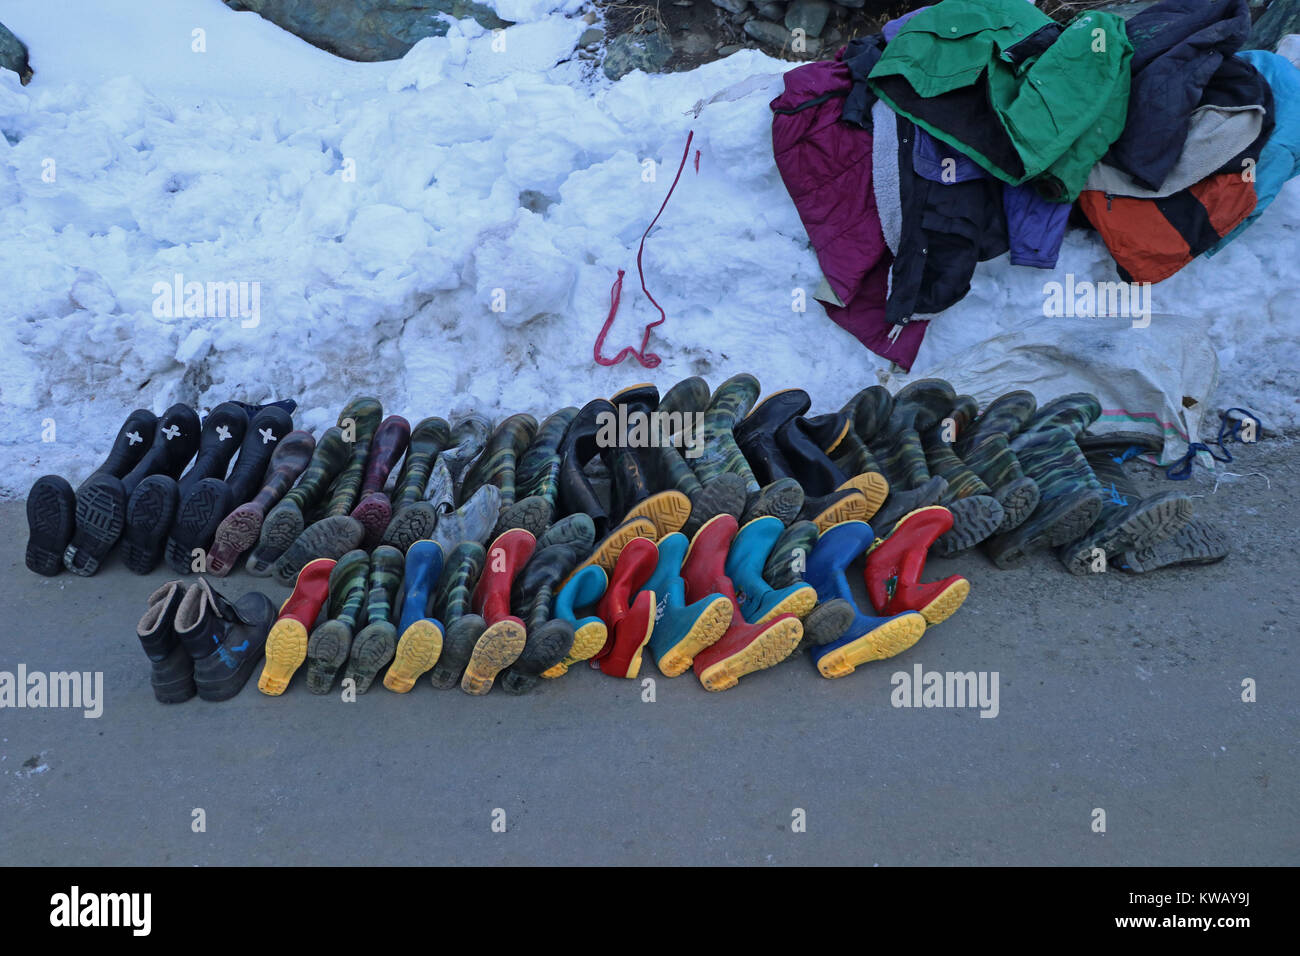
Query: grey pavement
pixel 1117 692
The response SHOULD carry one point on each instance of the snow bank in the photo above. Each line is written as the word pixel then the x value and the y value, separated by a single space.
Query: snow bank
pixel 442 232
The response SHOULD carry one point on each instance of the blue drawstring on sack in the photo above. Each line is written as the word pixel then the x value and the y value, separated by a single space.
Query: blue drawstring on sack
pixel 1229 430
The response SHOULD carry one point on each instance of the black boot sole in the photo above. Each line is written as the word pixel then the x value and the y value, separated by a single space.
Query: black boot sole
pixel 327 652
pixel 101 515
pixel 149 516
pixel 51 516
pixel 200 514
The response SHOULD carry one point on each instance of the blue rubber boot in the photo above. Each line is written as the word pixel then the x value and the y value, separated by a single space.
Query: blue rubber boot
pixel 759 601
pixel 586 587
pixel 420 645
pixel 869 638
pixel 682 630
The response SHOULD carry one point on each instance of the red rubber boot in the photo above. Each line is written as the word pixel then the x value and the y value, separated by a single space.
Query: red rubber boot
pixel 503 640
pixel 286 644
pixel 629 624
pixel 745 648
pixel 895 565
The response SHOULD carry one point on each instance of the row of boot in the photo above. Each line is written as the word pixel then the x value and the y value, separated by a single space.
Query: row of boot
pixel 724 603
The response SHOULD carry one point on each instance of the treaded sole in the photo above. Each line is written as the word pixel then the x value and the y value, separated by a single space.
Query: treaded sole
pixel 724 495
pixel 533 514
pixel 587 642
pixel 608 550
pixel 418 650
pixel 887 640
pixel 51 517
pixel 901 503
pixel 101 515
pixel 767 650
pixel 1019 498
pixel 498 647
pixel 1200 542
pixel 707 630
pixel 782 499
pixel 974 519
pixel 286 649
pixel 327 652
pixel 150 512
pixel 874 487
pixel 1147 523
pixel 328 538
pixel 374 512
pixel 849 508
pixel 196 522
pixel 281 528
pixel 827 622
pixel 799 603
pixel 458 643
pixel 946 603
pixel 1069 517
pixel 668 510
pixel 411 524
pixel 237 533
pixel 372 649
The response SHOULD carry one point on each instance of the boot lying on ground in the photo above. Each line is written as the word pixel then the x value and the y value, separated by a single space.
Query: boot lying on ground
pixel 896 563
pixel 502 640
pixel 225 639
pixel 538 478
pixel 584 588
pixel 451 605
pixel 532 597
pixel 628 610
pixel 681 630
pixel 420 642
pixel 376 643
pixel 331 642
pixel 373 509
pixel 171 667
pixel 286 644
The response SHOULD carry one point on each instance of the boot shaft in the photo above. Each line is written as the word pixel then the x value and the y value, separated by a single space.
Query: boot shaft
pixel 348 586
pixel 497 464
pixel 289 460
pixel 174 442
pixel 506 557
pixel 538 471
pixel 262 440
pixel 131 444
pixel 386 447
pixel 429 437
pixel 222 433
pixel 460 575
pixel 386 566
pixel 421 572
pixel 359 421
pixel 532 593
pixel 328 459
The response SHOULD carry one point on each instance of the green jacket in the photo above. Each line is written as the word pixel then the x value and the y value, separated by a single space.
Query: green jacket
pixel 1012 89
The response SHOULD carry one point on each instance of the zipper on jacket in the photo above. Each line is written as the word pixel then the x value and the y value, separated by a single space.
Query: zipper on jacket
pixel 1109 197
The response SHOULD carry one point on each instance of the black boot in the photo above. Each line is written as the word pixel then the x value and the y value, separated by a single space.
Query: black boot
pixel 578 447
pixel 172 668
pixel 225 640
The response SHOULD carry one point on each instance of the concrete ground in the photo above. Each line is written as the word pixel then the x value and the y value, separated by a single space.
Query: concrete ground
pixel 1117 693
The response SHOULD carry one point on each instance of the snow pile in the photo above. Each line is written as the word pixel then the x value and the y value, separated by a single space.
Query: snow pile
pixel 442 232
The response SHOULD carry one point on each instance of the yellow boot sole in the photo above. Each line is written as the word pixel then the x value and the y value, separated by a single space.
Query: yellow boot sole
pixel 668 510
pixel 800 604
pixel 949 599
pixel 612 545
pixel 768 650
pixel 707 630
pixel 587 641
pixel 498 647
pixel 417 651
pixel 286 649
pixel 874 487
pixel 848 508
pixel 889 639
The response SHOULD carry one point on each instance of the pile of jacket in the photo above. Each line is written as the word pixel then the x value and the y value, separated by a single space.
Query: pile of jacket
pixel 972 128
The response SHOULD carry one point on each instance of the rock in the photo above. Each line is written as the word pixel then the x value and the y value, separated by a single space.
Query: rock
pixel 367 29
pixel 594 35
pixel 807 15
pixel 641 51
pixel 13 55
pixel 1277 21
pixel 731 6
pixel 729 48
pixel 852 4
pixel 770 10
pixel 695 44
pixel 771 35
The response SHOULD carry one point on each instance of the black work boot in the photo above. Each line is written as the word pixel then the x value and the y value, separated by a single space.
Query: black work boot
pixel 225 639
pixel 172 674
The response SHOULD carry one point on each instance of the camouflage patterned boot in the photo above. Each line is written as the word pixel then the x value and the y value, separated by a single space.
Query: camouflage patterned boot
pixel 331 642
pixel 359 420
pixel 375 644
pixel 500 458
pixel 373 509
pixel 451 605
pixel 538 477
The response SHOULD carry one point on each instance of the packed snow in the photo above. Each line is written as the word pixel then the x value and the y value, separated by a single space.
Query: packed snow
pixel 443 231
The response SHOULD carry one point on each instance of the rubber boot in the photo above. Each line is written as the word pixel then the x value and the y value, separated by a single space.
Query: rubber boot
pixel 330 537
pixel 497 465
pixel 375 644
pixel 331 642
pixel 681 630
pixel 171 667
pixel 286 645
pixel 628 611
pixel 538 478
pixel 101 501
pixel 239 530
pixel 579 446
pixel 605 553
pixel 760 602
pixel 428 438
pixel 359 421
pixel 1073 412
pixel 532 597
pixel 583 589
pixel 1069 497
pixel 451 605
pixel 869 638
pixel 220 437
pixel 373 509
pixel 577 531
pixel 225 639
pixel 720 454
pixel 745 648
pixel 756 436
pixel 785 567
pixel 503 639
pixel 440 492
pixel 472 521
pixel 1127 521
pixel 868 412
pixel 469 436
pixel 51 521
pixel 918 407
pixel 634 492
pixel 896 563
pixel 197 518
pixel 1199 542
pixel 420 643
pixel 132 443
pixel 285 521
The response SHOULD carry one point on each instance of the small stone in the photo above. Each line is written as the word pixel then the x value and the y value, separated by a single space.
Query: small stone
pixel 771 35
pixel 647 51
pixel 694 44
pixel 731 6
pixel 729 48
pixel 807 15
pixel 770 10
pixel 594 35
